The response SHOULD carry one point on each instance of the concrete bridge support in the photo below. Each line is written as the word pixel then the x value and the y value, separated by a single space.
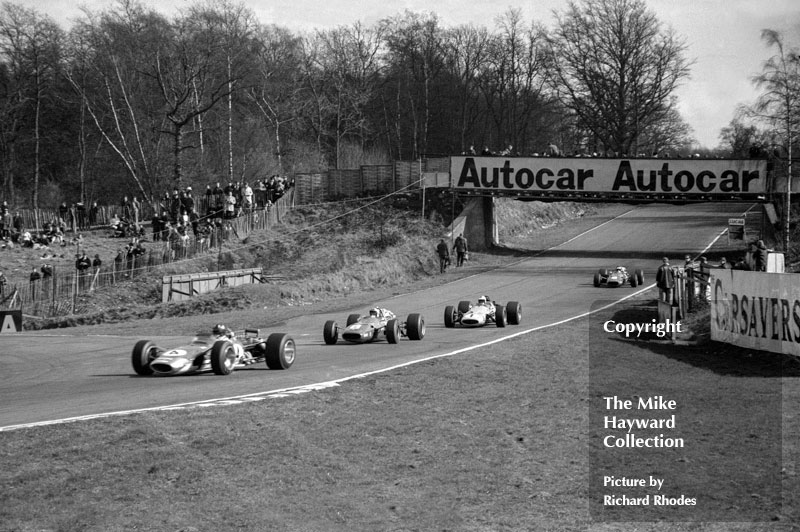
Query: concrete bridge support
pixel 477 223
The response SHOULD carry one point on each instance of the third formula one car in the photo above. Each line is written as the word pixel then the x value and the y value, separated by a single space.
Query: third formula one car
pixel 379 323
pixel 220 351
pixel 485 311
pixel 617 277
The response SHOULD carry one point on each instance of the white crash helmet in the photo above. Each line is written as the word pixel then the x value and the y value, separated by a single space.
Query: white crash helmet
pixel 374 312
pixel 220 330
pixel 482 300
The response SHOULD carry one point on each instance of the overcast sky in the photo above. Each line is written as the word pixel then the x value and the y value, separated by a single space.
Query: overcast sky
pixel 723 36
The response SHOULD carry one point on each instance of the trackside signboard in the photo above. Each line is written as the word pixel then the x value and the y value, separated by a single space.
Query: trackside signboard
pixel 756 310
pixel 10 321
pixel 702 177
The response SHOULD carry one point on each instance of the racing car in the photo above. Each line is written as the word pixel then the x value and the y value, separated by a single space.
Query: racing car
pixel 618 277
pixel 220 351
pixel 485 311
pixel 379 323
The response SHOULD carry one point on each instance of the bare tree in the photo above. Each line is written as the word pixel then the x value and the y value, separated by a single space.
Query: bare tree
pixel 615 68
pixel 31 44
pixel 778 104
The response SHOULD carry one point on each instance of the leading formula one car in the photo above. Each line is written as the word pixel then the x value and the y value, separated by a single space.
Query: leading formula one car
pixel 485 311
pixel 379 323
pixel 220 351
pixel 617 277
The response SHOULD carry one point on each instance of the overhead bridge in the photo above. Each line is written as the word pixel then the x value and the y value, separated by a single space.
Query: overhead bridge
pixel 606 179
pixel 639 180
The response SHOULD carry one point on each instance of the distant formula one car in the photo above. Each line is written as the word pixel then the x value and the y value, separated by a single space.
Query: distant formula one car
pixel 618 277
pixel 378 324
pixel 220 351
pixel 485 311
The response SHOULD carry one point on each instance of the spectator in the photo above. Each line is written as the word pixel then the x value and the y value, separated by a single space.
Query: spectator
pixel 34 282
pixel 47 278
pixel 80 210
pixel 94 210
pixel 444 255
pixel 3 282
pixel 461 250
pixel 665 280
pixel 135 208
pixel 82 265
pixel 96 263
pixel 553 151
pixel 760 256
pixel 248 197
pixel 724 264
pixel 63 210
pixel 230 205
pixel 17 223
pixel 118 260
pixel 126 207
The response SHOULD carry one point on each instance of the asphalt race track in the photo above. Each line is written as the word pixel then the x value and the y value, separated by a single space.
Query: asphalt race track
pixel 49 377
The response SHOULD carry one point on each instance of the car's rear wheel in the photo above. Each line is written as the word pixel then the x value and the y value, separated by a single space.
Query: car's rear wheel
pixel 514 312
pixel 143 353
pixel 597 279
pixel 223 357
pixel 352 318
pixel 463 306
pixel 281 351
pixel 392 331
pixel 449 316
pixel 633 281
pixel 415 326
pixel 603 272
pixel 330 332
pixel 500 316
pixel 639 276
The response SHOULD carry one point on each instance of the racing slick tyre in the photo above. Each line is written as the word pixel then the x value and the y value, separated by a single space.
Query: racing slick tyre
pixel 463 306
pixel 500 316
pixel 415 327
pixel 639 274
pixel 633 281
pixel 330 332
pixel 449 316
pixel 603 272
pixel 352 318
pixel 392 331
pixel 223 357
pixel 281 351
pixel 514 312
pixel 597 280
pixel 143 353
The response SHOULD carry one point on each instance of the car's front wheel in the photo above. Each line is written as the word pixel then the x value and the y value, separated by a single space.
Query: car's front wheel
pixel 330 333
pixel 449 316
pixel 392 331
pixel 143 353
pixel 514 311
pixel 223 357
pixel 415 326
pixel 500 316
pixel 281 351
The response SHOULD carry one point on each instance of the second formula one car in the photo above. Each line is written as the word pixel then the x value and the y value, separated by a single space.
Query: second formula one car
pixel 617 277
pixel 220 351
pixel 485 311
pixel 378 324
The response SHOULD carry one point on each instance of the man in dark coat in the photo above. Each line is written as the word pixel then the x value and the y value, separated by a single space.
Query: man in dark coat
pixel 444 255
pixel 461 249
pixel 665 280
